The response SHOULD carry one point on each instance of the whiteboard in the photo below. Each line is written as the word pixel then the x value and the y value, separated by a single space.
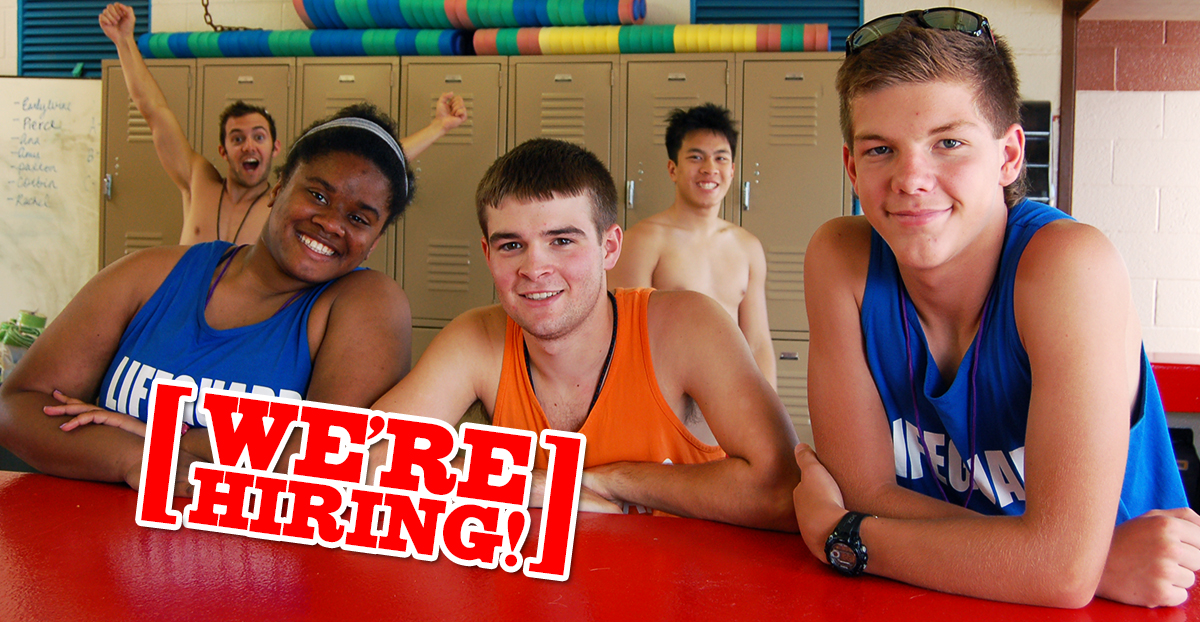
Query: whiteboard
pixel 50 175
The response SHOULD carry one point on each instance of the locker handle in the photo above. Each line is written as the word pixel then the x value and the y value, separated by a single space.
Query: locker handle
pixel 794 76
pixel 746 196
pixel 108 186
pixel 629 193
pixel 346 77
pixel 562 77
pixel 677 77
pixel 245 79
pixel 789 356
pixel 453 78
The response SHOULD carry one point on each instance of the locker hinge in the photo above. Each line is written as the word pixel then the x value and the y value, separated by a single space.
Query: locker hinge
pixel 726 77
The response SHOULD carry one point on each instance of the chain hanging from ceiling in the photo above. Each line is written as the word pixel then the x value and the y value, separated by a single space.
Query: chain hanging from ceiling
pixel 218 28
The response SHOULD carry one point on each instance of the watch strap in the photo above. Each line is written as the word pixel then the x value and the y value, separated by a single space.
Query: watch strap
pixel 847 534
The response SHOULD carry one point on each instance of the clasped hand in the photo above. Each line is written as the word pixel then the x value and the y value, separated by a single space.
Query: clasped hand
pixel 83 413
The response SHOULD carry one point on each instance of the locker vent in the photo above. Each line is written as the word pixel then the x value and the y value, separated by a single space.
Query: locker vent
pixel 463 134
pixel 793 392
pixel 139 130
pixel 562 116
pixel 334 103
pixel 253 100
pixel 792 120
pixel 449 263
pixel 663 104
pixel 137 240
pixel 785 273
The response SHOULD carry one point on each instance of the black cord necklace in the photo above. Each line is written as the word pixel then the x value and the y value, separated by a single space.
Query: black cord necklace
pixel 221 201
pixel 612 344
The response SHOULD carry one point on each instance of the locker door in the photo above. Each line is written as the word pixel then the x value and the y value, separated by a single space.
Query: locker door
pixel 443 264
pixel 144 208
pixel 792 370
pixel 327 85
pixel 265 82
pixel 653 88
pixel 568 100
pixel 791 168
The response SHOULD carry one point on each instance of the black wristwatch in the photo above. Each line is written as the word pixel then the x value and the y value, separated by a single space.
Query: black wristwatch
pixel 844 548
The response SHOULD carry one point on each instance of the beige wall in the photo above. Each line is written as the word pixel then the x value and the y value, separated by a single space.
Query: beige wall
pixel 8 37
pixel 1032 27
pixel 188 16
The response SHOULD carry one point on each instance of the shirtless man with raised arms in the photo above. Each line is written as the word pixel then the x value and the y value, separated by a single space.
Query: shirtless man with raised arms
pixel 689 246
pixel 231 208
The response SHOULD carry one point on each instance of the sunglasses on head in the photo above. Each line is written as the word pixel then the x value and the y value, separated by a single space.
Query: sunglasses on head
pixel 942 18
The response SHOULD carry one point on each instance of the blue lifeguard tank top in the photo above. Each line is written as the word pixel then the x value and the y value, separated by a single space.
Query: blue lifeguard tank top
pixel 169 338
pixel 1002 388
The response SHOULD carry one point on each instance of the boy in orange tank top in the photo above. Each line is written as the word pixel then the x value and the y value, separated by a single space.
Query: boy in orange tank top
pixel 632 371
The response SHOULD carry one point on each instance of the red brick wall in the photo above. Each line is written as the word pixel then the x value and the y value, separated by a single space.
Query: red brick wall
pixel 1138 56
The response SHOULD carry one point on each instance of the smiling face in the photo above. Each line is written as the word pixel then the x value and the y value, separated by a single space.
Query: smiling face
pixel 327 216
pixel 548 263
pixel 704 169
pixel 929 170
pixel 248 149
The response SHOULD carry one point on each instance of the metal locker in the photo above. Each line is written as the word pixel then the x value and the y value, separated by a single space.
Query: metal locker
pixel 141 206
pixel 327 85
pixel 790 170
pixel 654 87
pixel 571 100
pixel 792 369
pixel 443 265
pixel 265 82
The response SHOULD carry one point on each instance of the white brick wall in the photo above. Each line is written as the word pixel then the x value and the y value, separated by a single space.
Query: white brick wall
pixel 1137 178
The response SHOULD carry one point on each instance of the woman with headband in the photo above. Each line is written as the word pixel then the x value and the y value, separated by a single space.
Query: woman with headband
pixel 289 316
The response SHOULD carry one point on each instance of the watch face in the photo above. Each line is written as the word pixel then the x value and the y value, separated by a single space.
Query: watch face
pixel 842 557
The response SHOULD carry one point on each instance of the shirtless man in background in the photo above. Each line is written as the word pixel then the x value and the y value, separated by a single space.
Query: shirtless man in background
pixel 232 208
pixel 689 246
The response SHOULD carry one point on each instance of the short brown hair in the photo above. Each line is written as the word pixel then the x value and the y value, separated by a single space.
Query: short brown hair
pixel 915 55
pixel 539 169
pixel 239 109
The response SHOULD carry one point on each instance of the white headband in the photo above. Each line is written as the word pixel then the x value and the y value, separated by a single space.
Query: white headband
pixel 370 126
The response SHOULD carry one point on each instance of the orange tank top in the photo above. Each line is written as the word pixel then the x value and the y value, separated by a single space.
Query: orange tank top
pixel 630 421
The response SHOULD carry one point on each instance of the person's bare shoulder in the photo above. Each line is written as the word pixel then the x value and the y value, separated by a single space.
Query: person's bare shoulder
pixel 747 242
pixel 145 270
pixel 482 329
pixel 641 250
pixel 648 234
pixel 1062 241
pixel 364 281
pixel 676 314
pixel 839 253
pixel 1067 262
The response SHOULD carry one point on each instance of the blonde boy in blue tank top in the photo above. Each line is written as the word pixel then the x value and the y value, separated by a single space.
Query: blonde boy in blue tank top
pixel 952 314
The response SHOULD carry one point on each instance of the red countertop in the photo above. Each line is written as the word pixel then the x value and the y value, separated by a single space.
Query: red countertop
pixel 70 550
pixel 1178 377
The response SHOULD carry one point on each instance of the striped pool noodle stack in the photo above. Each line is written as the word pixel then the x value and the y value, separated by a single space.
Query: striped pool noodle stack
pixel 653 39
pixel 466 14
pixel 259 43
